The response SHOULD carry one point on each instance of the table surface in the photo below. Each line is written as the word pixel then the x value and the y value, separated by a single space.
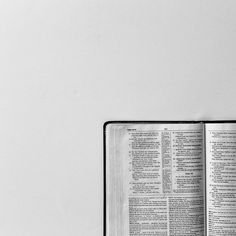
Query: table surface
pixel 69 66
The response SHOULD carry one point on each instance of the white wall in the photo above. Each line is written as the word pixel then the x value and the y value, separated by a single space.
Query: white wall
pixel 68 66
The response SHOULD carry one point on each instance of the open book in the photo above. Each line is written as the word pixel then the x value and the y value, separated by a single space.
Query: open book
pixel 170 178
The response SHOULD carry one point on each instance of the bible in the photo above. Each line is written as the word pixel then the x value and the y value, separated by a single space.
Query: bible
pixel 170 178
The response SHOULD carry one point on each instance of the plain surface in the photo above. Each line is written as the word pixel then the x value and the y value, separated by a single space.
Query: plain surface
pixel 68 66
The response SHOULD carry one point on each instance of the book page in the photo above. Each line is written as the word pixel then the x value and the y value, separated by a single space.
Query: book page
pixel 221 179
pixel 155 178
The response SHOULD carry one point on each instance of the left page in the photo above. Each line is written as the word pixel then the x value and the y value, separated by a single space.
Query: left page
pixel 154 179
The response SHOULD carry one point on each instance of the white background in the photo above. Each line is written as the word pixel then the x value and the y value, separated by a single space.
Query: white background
pixel 68 66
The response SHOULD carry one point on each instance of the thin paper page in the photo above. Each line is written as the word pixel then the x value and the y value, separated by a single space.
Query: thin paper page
pixel 155 180
pixel 221 179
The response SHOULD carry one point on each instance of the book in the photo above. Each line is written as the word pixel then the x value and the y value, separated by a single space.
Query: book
pixel 170 178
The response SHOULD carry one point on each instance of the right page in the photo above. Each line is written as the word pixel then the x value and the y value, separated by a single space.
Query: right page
pixel 221 179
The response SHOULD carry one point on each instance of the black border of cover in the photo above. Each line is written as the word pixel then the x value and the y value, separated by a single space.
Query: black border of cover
pixel 143 122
